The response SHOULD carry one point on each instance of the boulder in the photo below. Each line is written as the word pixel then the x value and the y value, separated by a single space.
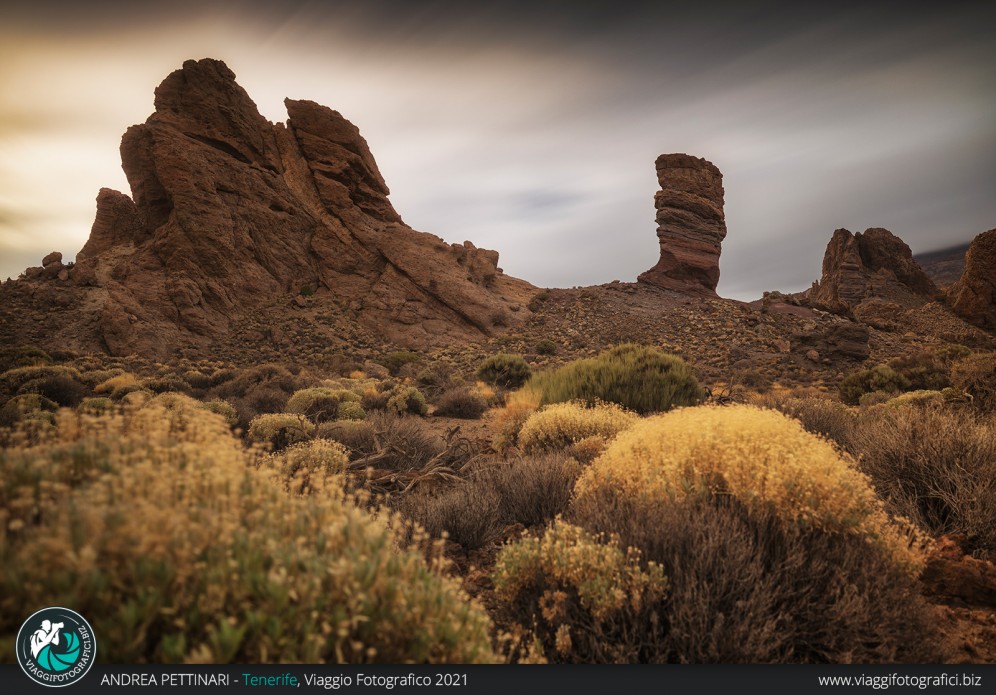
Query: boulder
pixel 973 296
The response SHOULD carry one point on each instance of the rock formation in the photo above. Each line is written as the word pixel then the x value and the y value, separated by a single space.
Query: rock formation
pixel 874 265
pixel 973 297
pixel 230 212
pixel 691 225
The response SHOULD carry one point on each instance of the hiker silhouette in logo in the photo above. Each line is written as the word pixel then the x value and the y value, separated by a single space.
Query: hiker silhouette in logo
pixel 47 634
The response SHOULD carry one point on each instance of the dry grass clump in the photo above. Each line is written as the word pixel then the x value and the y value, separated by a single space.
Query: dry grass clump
pixel 496 494
pixel 519 406
pixel 356 436
pixel 280 430
pixel 636 377
pixel 461 402
pixel 935 466
pixel 762 458
pixel 746 588
pixel 823 416
pixel 976 375
pixel 159 528
pixel 558 426
pixel 589 600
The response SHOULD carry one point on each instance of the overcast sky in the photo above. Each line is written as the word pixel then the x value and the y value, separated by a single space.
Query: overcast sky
pixel 534 131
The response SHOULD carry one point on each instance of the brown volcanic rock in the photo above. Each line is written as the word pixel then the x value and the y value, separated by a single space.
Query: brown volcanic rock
pixel 231 212
pixel 691 225
pixel 874 265
pixel 973 297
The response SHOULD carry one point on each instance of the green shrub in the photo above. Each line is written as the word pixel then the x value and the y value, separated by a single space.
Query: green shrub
pixel 504 370
pixel 407 400
pixel 880 378
pixel 394 361
pixel 60 388
pixel 558 426
pixel 546 347
pixel 164 533
pixel 320 404
pixel 14 379
pixel 96 406
pixel 27 406
pixel 223 408
pixel 589 600
pixel 636 377
pixel 350 410
pixel 280 430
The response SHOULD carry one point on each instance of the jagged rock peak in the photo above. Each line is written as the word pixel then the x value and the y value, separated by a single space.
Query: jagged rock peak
pixel 230 213
pixel 875 264
pixel 973 297
pixel 691 225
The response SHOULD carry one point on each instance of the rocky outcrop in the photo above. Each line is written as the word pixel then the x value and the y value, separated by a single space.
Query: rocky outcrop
pixel 230 212
pixel 691 225
pixel 973 297
pixel 952 574
pixel 875 264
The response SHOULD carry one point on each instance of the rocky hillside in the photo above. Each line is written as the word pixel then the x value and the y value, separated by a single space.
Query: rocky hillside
pixel 945 266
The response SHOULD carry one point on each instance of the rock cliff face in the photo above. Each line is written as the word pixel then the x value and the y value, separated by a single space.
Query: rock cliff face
pixel 229 212
pixel 691 225
pixel 973 297
pixel 875 265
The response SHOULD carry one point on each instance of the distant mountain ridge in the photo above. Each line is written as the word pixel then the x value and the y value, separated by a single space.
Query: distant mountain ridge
pixel 944 266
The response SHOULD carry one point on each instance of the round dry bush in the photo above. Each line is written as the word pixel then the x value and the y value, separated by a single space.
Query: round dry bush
pixel 310 466
pixel 466 514
pixel 531 490
pixel 96 406
pixel 320 404
pixel 935 466
pixel 26 406
pixel 636 377
pixel 279 430
pixel 64 390
pixel 556 427
pixel 192 554
pixel 823 416
pixel 762 458
pixel 14 379
pixel 745 588
pixel 407 400
pixel 356 436
pixel 976 376
pixel 350 410
pixel 588 600
pixel 461 402
pixel 223 408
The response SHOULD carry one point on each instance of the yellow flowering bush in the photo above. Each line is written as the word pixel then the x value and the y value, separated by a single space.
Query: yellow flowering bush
pixel 560 425
pixel 165 533
pixel 762 458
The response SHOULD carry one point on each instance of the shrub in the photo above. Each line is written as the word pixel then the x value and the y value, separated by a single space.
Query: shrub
pixel 822 416
pixel 519 406
pixel 762 458
pixel 976 376
pixel 279 429
pixel 373 399
pixel 407 400
pixel 166 384
pixel 638 378
pixel 96 406
pixel 880 378
pixel 555 427
pixel 467 514
pixel 531 490
pixel 546 347
pixel 27 406
pixel 356 436
pixel 927 370
pixel 504 370
pixel 193 555
pixel 394 361
pixel 920 398
pixel 934 466
pixel 198 380
pixel 320 404
pixel 745 588
pixel 434 379
pixel 223 408
pixel 14 379
pixel 271 376
pixel 119 385
pixel 461 402
pixel 401 443
pixel 310 466
pixel 589 600
pixel 350 410
pixel 60 388
pixel 27 356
